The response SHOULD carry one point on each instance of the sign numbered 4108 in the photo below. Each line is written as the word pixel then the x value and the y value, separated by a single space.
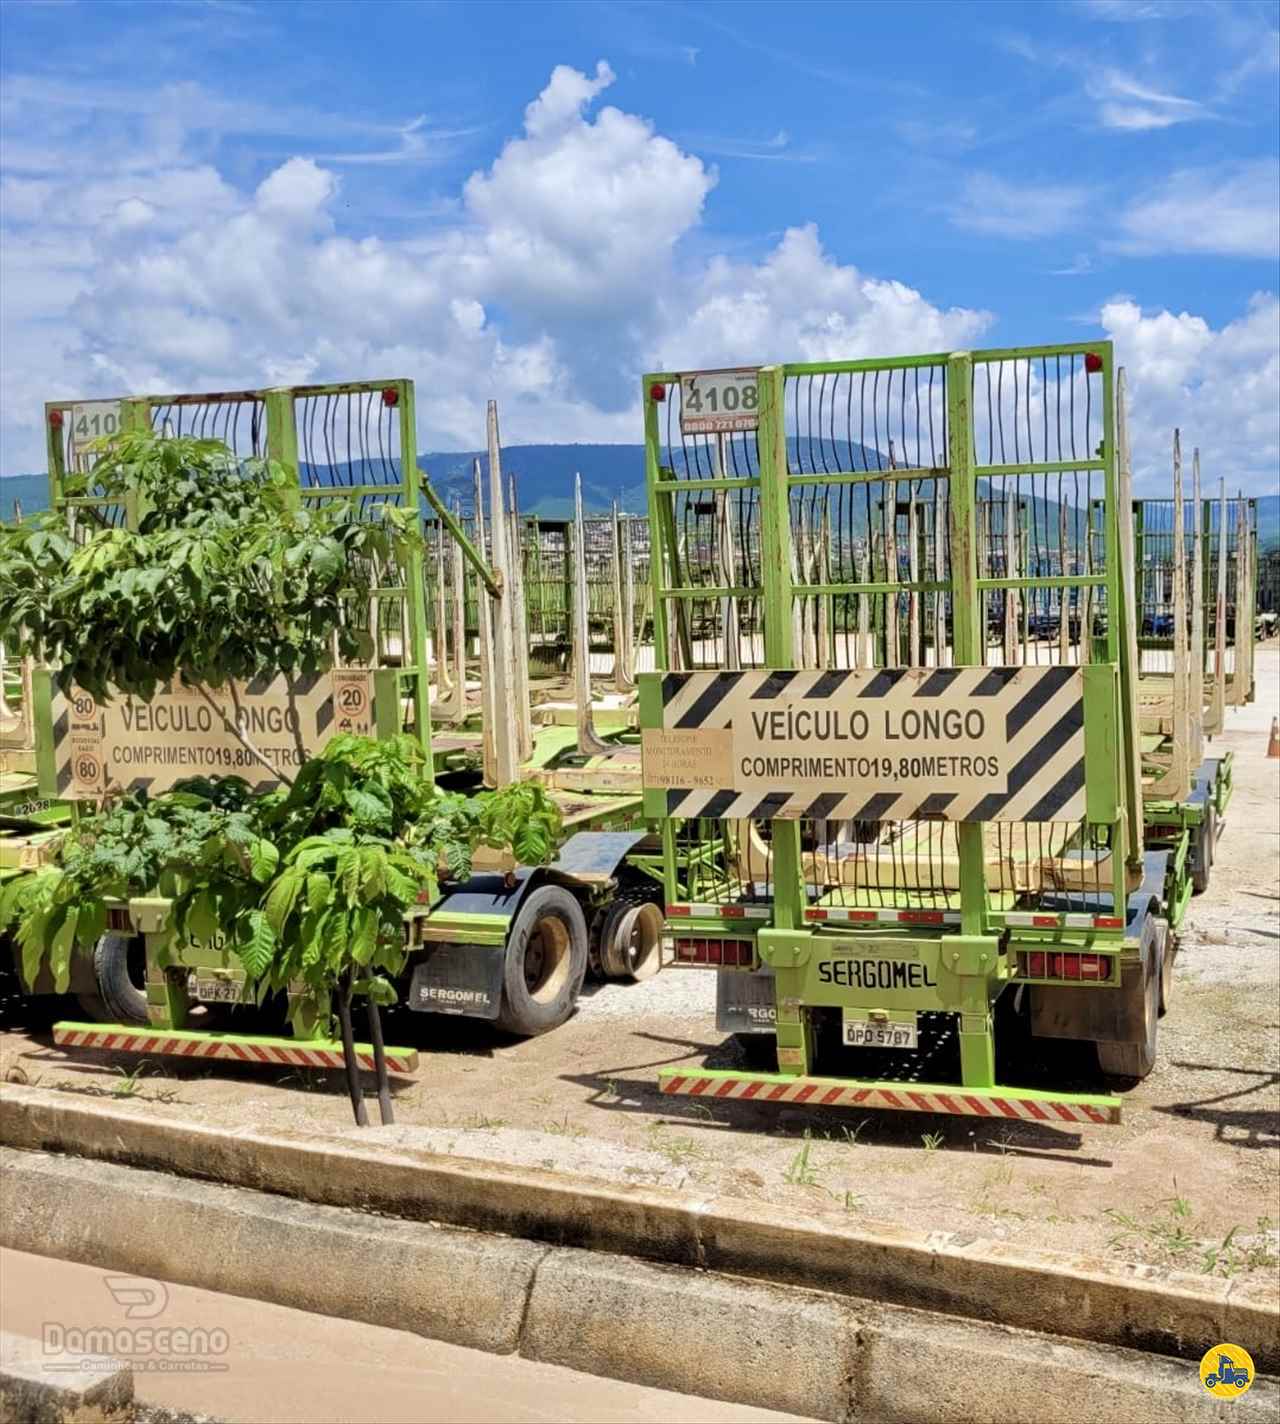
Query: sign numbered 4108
pixel 719 402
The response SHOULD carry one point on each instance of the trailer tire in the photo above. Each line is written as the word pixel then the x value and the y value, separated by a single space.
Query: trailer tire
pixel 1133 1061
pixel 119 966
pixel 630 937
pixel 1202 850
pixel 1167 944
pixel 546 959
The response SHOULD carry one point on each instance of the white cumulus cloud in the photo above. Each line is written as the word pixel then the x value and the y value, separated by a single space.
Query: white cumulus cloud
pixel 1221 388
pixel 1232 210
pixel 564 268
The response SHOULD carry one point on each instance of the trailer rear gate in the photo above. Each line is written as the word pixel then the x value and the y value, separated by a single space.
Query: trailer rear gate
pixel 893 537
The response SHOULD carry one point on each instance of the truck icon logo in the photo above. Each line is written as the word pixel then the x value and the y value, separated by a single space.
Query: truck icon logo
pixel 1226 1371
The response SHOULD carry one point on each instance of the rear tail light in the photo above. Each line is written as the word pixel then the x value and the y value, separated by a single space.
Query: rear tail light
pixel 723 953
pixel 1036 964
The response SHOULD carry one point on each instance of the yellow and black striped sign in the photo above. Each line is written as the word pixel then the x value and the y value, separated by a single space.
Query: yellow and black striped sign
pixel 954 744
pixel 131 745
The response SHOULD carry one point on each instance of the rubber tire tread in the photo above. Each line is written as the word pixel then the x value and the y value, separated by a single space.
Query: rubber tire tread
pixel 1134 1061
pixel 123 1000
pixel 520 1013
pixel 1202 851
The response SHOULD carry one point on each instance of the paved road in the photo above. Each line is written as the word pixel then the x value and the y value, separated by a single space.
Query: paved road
pixel 283 1365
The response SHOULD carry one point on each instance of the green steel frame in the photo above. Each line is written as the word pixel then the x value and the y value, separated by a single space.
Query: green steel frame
pixel 973 962
pixel 278 421
pixel 308 430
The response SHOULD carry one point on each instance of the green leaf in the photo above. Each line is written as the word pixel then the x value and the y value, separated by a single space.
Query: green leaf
pixel 31 940
pixel 202 917
pixel 60 950
pixel 369 806
pixel 349 872
pixel 282 898
pixel 263 860
pixel 380 990
pixel 257 949
pixel 364 935
pixel 319 891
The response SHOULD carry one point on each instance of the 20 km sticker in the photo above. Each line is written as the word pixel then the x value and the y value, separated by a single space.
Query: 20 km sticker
pixel 351 700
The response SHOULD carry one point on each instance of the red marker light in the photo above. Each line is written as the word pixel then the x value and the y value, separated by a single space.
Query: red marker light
pixel 55 419
pixel 657 391
pixel 390 396
pixel 1092 362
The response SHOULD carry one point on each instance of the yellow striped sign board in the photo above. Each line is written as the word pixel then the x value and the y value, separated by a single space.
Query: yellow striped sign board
pixel 131 745
pixel 871 744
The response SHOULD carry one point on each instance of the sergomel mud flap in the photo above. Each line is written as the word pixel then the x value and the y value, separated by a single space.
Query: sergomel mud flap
pixel 745 1002
pixel 458 979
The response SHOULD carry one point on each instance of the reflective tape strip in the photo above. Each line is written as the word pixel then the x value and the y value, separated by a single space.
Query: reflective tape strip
pixel 288 1055
pixel 884 917
pixel 719 912
pixel 905 1099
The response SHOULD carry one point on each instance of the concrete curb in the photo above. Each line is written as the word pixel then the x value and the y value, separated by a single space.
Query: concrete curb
pixel 778 1346
pixel 61 1389
pixel 1132 1306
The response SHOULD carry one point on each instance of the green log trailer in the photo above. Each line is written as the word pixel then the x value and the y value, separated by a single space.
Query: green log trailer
pixel 512 944
pixel 909 839
pixel 1195 619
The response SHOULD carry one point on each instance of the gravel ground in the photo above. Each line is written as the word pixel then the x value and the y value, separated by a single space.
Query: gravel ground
pixel 1190 1179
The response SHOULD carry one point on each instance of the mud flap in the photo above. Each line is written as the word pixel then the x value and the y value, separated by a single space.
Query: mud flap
pixel 745 1002
pixel 458 979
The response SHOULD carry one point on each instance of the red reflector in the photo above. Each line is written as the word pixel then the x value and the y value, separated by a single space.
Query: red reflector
pixel 731 953
pixel 1107 922
pixel 55 419
pixel 815 914
pixel 920 917
pixel 862 914
pixel 1092 362
pixel 1050 921
pixel 390 396
pixel 675 910
pixel 734 912
pixel 657 391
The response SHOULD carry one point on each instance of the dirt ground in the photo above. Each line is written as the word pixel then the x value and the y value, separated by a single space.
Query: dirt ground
pixel 1191 1178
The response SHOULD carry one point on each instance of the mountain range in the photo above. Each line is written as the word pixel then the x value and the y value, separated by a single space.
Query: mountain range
pixel 544 480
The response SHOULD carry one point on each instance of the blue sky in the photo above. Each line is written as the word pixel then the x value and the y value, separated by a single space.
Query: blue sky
pixel 538 201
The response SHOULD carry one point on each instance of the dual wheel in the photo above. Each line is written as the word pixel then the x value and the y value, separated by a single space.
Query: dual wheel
pixel 546 960
pixel 548 949
pixel 1203 848
pixel 1143 984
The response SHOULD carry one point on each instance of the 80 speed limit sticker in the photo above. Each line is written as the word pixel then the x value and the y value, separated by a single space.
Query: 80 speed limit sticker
pixel 88 768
